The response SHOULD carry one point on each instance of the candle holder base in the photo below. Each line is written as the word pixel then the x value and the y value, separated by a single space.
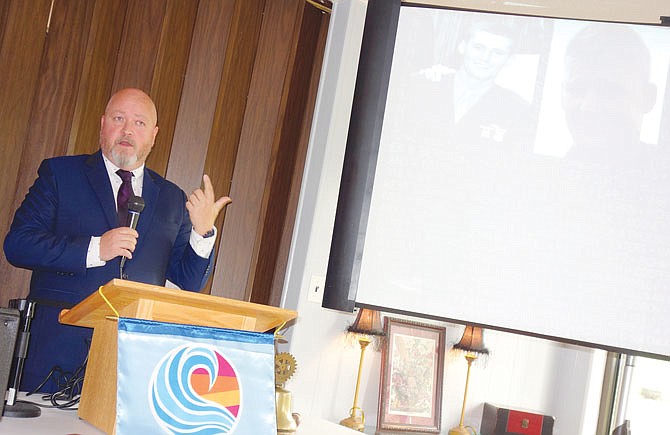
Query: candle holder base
pixel 462 430
pixel 355 422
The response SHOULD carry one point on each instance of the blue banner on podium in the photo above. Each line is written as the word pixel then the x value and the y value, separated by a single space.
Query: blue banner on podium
pixel 184 379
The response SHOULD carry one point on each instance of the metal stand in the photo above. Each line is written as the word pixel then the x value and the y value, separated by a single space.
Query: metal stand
pixel 624 429
pixel 21 410
pixel 12 407
pixel 621 400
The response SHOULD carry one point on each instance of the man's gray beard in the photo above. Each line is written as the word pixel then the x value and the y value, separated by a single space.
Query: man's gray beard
pixel 123 161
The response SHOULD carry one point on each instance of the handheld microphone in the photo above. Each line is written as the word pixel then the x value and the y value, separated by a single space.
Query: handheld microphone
pixel 135 207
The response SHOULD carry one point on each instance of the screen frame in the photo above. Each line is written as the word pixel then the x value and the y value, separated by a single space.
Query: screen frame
pixel 360 158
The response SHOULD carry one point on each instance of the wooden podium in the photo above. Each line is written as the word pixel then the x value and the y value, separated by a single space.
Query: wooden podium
pixel 143 301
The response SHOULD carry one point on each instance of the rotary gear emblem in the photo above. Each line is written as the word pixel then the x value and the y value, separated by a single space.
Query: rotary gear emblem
pixel 285 366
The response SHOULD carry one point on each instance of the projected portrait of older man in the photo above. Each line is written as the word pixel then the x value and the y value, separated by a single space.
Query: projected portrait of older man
pixel 606 93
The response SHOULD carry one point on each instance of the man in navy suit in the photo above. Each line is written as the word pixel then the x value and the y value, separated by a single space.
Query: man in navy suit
pixel 68 233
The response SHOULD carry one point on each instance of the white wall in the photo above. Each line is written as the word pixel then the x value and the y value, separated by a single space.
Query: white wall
pixel 521 372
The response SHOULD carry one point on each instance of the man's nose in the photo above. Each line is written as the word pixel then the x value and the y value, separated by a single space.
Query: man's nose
pixel 485 55
pixel 127 128
pixel 593 100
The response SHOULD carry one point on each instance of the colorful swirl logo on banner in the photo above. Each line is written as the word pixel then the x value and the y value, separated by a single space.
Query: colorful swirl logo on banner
pixel 194 390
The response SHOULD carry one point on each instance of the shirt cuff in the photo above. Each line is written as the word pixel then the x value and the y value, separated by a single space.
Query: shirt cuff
pixel 93 253
pixel 202 246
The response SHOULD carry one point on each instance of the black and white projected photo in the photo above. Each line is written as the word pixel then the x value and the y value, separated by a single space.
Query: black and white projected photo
pixel 523 177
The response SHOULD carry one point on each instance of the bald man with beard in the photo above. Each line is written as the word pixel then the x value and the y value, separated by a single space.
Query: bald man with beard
pixel 69 233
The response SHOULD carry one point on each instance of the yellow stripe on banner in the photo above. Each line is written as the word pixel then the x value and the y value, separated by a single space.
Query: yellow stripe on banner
pixel 107 301
pixel 228 398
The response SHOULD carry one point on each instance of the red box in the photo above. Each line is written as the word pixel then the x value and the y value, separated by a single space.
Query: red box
pixel 504 421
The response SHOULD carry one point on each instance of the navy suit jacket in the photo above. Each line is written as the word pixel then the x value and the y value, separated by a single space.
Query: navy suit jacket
pixel 72 200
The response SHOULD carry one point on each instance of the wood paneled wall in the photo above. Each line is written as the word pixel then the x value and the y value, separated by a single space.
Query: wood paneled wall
pixel 234 82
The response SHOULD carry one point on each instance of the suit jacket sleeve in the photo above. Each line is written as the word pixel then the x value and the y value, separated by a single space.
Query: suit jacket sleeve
pixel 32 241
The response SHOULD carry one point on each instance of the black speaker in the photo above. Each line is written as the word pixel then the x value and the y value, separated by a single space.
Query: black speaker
pixel 9 328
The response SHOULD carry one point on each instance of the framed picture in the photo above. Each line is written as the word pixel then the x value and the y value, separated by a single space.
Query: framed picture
pixel 410 397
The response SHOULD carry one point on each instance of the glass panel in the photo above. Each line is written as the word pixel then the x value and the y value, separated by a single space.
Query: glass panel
pixel 649 400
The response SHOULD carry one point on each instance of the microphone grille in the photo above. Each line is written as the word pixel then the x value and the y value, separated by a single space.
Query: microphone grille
pixel 135 204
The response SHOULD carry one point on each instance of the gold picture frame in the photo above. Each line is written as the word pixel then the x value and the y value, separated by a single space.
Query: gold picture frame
pixel 410 396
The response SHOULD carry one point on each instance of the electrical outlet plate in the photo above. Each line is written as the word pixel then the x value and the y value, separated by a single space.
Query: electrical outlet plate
pixel 316 285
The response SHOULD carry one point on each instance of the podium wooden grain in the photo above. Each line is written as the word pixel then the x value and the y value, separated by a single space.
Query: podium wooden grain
pixel 150 302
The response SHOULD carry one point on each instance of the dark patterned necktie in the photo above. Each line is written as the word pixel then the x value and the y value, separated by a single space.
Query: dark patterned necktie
pixel 124 194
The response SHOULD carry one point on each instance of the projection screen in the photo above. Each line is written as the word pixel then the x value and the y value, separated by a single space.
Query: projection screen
pixel 522 178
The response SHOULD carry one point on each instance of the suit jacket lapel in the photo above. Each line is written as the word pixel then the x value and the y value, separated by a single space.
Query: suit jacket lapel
pixel 150 192
pixel 99 180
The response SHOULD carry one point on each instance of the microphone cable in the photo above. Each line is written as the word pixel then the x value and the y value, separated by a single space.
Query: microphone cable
pixel 69 386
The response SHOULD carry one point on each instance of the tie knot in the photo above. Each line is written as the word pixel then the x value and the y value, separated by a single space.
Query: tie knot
pixel 125 175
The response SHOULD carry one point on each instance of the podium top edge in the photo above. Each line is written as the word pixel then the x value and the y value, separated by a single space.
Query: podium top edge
pixel 122 293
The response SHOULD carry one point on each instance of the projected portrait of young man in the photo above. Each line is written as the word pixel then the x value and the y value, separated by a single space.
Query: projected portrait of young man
pixel 606 92
pixel 465 104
